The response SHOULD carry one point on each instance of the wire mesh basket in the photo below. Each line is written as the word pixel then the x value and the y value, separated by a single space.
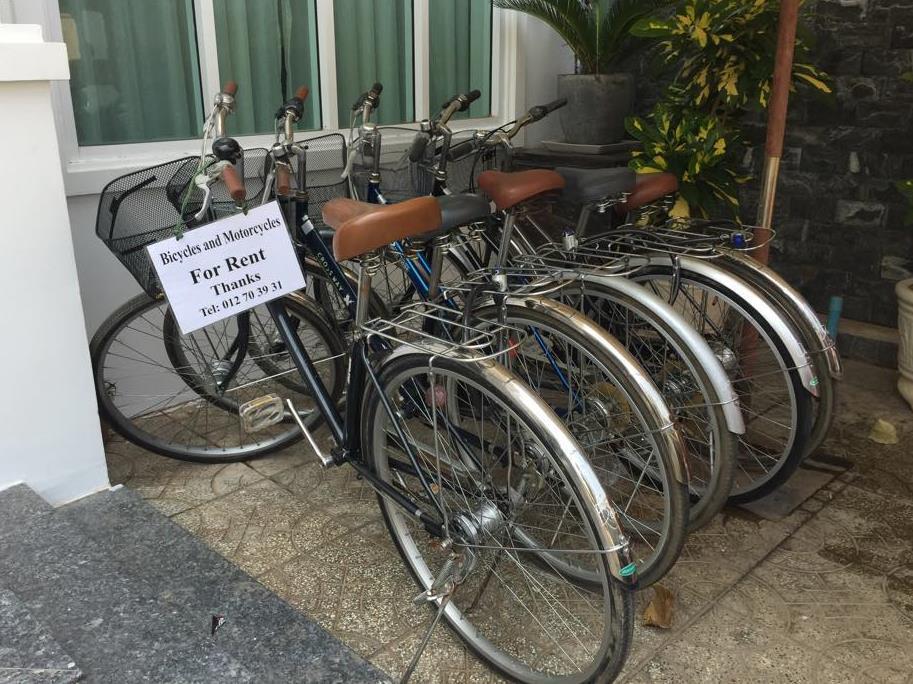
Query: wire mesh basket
pixel 463 171
pixel 400 178
pixel 146 206
pixel 143 207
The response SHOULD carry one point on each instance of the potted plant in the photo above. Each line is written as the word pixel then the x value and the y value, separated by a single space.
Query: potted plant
pixel 598 32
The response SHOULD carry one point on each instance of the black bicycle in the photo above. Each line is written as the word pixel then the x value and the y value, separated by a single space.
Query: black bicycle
pixel 487 496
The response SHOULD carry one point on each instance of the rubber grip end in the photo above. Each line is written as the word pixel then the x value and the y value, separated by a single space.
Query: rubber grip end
pixel 233 182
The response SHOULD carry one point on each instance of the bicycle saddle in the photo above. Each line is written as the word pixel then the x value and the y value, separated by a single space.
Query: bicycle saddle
pixel 649 188
pixel 591 185
pixel 378 225
pixel 456 210
pixel 509 189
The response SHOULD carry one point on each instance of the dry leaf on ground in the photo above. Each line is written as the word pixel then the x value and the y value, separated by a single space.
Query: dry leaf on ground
pixel 883 432
pixel 658 612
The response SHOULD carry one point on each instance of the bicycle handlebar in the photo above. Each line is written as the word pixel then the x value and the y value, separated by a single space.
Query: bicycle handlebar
pixel 234 183
pixel 371 97
pixel 461 149
pixel 459 103
pixel 541 111
pixel 223 106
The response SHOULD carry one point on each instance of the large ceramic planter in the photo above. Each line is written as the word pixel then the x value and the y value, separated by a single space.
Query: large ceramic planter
pixel 904 291
pixel 597 105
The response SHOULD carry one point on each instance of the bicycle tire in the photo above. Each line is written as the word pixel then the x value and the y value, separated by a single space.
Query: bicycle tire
pixel 746 487
pixel 679 376
pixel 203 426
pixel 642 425
pixel 614 606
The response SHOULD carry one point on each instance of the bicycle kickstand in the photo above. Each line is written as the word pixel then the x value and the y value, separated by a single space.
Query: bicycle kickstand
pixel 442 588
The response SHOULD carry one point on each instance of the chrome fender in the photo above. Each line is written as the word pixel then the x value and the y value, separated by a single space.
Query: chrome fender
pixel 735 421
pixel 775 319
pixel 560 443
pixel 627 364
pixel 804 315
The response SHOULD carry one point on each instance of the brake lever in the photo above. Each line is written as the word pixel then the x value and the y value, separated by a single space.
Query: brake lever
pixel 204 181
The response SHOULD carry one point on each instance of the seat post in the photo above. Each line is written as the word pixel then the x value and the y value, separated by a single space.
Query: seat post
pixel 507 231
pixel 370 263
pixel 583 220
pixel 439 247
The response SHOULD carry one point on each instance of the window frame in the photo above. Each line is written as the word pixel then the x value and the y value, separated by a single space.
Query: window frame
pixel 88 168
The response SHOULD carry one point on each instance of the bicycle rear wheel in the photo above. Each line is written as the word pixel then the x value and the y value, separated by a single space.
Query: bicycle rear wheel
pixel 623 432
pixel 777 409
pixel 509 481
pixel 684 383
pixel 179 395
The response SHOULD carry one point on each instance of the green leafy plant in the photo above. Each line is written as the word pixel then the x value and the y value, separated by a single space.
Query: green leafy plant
pixel 694 147
pixel 598 32
pixel 721 53
pixel 724 50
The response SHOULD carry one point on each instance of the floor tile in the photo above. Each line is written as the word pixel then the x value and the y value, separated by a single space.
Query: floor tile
pixel 170 485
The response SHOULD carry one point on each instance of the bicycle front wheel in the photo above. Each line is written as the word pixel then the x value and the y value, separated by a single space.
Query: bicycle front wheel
pixel 496 467
pixel 179 395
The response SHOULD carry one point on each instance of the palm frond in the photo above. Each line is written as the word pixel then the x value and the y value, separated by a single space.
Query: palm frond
pixel 615 33
pixel 598 31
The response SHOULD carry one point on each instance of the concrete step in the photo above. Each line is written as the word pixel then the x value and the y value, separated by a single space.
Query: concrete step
pixel 28 652
pixel 271 640
pixel 110 623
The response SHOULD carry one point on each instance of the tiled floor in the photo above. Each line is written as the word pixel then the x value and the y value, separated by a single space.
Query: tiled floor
pixel 823 595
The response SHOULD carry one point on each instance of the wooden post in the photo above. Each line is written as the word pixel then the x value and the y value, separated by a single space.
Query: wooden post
pixel 776 122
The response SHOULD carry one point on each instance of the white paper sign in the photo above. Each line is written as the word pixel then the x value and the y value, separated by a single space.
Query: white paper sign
pixel 226 267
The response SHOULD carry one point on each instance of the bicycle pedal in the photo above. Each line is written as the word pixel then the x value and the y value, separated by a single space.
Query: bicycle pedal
pixel 262 412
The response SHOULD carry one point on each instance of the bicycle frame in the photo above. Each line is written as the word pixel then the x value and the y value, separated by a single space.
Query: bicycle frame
pixel 345 429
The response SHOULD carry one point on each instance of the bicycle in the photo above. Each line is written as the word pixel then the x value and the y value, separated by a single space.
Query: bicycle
pixel 566 353
pixel 692 380
pixel 482 488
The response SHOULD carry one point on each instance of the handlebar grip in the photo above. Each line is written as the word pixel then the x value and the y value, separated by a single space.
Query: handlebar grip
pixel 473 96
pixel 377 88
pixel 230 88
pixel 541 111
pixel 460 150
pixel 234 183
pixel 302 93
pixel 418 147
pixel 555 104
pixel 283 180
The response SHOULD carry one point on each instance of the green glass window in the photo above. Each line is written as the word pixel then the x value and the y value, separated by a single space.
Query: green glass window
pixel 134 75
pixel 269 48
pixel 460 53
pixel 374 44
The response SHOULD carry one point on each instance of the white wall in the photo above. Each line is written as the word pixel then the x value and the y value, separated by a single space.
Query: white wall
pixel 546 56
pixel 50 436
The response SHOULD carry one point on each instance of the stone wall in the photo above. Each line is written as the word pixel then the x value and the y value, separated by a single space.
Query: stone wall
pixel 840 220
